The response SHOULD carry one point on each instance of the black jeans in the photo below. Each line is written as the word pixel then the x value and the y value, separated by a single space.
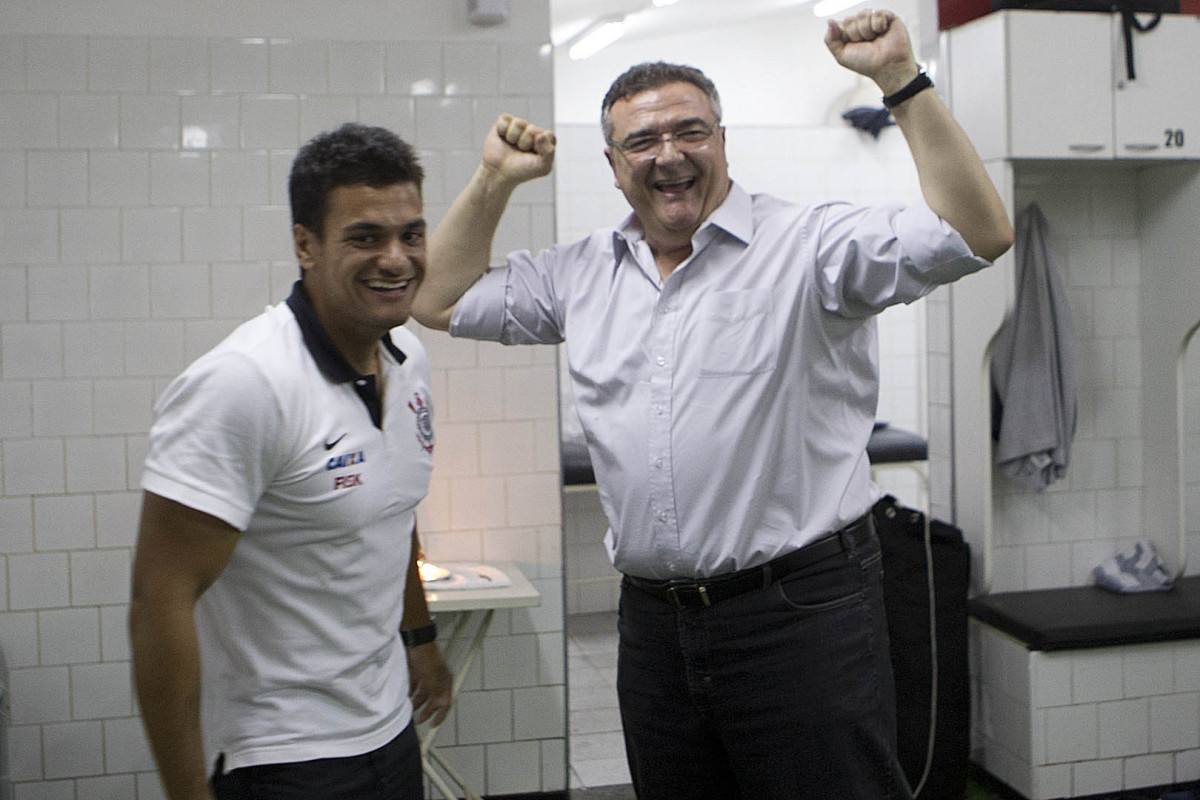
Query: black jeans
pixel 782 692
pixel 393 772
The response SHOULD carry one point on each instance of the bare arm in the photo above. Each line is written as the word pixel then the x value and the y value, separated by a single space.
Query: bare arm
pixel 180 552
pixel 460 248
pixel 429 677
pixel 953 180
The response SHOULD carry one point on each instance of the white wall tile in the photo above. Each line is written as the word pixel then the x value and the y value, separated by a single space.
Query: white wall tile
pixel 101 690
pixel 52 287
pixel 239 65
pixel 240 290
pixel 62 408
pixel 63 522
pixel 89 121
pixel 28 120
pixel 1151 770
pixel 210 122
pixel 19 638
pixel 28 236
pixel 1175 722
pixel 533 500
pixel 33 466
pixel 471 68
pixel 321 114
pixel 1124 728
pixel 484 717
pixel 414 68
pixel 12 63
pixel 118 64
pixel 114 787
pixel 153 348
pixel 298 67
pixel 14 305
pixel 100 577
pixel 1071 733
pixel 179 179
pixel 240 178
pixel 270 121
pixel 1149 670
pixel 509 661
pixel 1097 777
pixel 57 178
pixel 444 123
pixel 93 349
pixel 179 291
pixel 39 694
pixel 25 744
pixel 525 69
pixel 396 114
pixel 178 65
pixel 69 636
pixel 56 64
pixel 96 464
pixel 1050 679
pixel 474 395
pixel 1097 675
pixel 513 768
pixel 114 633
pixel 119 179
pixel 475 502
pixel 120 291
pixel 357 67
pixel 125 747
pixel 151 234
pixel 90 235
pixel 1187 766
pixel 117 516
pixel 150 122
pixel 267 232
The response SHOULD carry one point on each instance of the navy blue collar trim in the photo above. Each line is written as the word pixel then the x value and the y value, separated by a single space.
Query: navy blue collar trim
pixel 330 361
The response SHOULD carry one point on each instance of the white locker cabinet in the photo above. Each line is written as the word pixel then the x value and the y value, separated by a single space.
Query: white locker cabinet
pixel 1051 85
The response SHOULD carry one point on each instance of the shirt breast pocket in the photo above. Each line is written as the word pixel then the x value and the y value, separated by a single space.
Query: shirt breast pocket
pixel 737 334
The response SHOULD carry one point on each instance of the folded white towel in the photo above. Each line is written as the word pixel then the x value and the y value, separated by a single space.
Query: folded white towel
pixel 1137 568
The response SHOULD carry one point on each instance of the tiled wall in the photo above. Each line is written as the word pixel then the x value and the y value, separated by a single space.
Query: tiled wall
pixel 1087 722
pixel 143 214
pixel 805 164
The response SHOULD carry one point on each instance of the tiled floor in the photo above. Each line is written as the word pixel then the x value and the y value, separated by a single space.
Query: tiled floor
pixel 597 750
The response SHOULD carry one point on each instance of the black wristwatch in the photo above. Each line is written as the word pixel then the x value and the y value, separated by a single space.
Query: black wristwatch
pixel 419 636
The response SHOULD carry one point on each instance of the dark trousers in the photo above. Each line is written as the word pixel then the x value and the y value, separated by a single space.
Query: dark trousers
pixel 393 772
pixel 782 692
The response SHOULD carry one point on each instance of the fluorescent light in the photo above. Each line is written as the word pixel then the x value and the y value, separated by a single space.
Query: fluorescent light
pixel 598 36
pixel 827 8
pixel 662 3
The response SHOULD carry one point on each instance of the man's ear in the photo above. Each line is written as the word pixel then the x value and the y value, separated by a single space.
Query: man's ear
pixel 305 243
pixel 608 155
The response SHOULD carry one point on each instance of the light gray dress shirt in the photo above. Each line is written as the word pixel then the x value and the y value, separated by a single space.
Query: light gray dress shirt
pixel 727 409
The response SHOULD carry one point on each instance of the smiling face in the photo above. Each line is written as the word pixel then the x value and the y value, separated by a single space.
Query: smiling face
pixel 677 184
pixel 362 271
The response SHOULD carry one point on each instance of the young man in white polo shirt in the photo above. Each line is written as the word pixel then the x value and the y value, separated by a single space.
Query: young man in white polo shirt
pixel 276 558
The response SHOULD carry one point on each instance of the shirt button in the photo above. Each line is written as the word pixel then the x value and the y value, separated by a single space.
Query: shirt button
pixel 658 462
pixel 662 361
pixel 662 516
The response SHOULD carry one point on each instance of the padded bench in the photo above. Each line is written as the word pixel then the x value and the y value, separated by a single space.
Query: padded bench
pixel 1088 616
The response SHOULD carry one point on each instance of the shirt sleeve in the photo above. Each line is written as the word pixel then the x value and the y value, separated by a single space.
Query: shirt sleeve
pixel 513 304
pixel 874 257
pixel 210 446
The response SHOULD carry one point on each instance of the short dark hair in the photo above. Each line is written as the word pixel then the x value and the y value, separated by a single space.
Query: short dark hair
pixel 652 75
pixel 352 155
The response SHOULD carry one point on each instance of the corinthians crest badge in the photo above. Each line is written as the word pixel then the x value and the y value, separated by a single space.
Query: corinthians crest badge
pixel 424 422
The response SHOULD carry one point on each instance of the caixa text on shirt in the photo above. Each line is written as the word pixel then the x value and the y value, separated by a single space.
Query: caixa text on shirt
pixel 343 461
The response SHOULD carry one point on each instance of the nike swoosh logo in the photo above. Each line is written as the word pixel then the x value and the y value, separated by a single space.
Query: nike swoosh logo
pixel 333 444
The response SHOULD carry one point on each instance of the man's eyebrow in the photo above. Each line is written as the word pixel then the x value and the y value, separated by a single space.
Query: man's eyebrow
pixel 680 125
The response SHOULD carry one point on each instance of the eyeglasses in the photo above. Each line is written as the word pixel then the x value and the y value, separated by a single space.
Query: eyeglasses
pixel 649 145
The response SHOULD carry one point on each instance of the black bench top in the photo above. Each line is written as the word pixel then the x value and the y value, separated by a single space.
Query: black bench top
pixel 1088 616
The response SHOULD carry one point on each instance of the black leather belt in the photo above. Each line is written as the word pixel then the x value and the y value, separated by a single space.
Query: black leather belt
pixel 686 593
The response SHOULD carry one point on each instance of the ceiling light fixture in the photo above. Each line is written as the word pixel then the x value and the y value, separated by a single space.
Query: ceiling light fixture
pixel 597 36
pixel 664 3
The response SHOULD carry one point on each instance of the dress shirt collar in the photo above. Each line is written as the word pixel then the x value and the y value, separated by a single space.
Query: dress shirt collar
pixel 735 216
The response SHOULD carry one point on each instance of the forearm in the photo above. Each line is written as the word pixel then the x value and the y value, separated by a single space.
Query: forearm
pixel 416 609
pixel 166 668
pixel 460 248
pixel 953 180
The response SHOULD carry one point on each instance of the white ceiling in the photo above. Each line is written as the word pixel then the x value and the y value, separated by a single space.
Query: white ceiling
pixel 642 19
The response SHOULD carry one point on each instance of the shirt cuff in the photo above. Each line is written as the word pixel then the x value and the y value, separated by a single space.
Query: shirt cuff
pixel 479 313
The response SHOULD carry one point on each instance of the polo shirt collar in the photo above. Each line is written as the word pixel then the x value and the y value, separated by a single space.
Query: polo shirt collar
pixel 735 216
pixel 332 363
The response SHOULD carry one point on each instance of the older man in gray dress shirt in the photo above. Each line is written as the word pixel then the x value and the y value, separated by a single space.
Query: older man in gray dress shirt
pixel 723 355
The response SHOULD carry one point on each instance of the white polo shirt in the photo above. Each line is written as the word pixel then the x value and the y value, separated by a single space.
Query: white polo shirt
pixel 273 432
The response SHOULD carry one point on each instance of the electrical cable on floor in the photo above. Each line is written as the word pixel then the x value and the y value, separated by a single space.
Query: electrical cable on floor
pixel 933 651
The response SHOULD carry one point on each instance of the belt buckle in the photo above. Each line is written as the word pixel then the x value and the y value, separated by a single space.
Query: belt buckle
pixel 701 590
